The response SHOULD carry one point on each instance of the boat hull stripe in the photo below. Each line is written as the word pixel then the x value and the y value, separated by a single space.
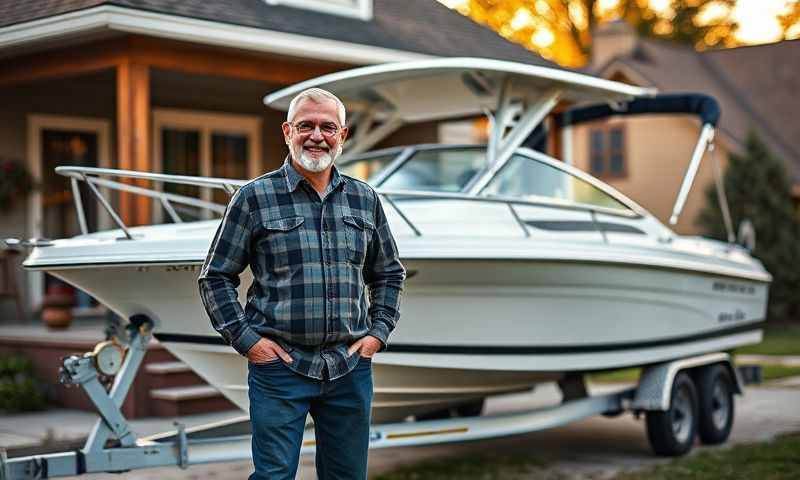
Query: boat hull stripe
pixel 508 350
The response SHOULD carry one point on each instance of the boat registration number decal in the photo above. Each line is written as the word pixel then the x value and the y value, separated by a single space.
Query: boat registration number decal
pixel 725 317
pixel 733 288
pixel 172 268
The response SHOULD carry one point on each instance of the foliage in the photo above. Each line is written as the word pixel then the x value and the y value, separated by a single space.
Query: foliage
pixel 20 391
pixel 758 188
pixel 561 30
pixel 790 21
pixel 682 21
pixel 15 183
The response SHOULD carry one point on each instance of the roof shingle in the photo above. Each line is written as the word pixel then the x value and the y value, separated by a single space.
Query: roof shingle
pixel 420 26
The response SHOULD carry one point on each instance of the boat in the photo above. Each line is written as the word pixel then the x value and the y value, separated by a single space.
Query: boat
pixel 521 268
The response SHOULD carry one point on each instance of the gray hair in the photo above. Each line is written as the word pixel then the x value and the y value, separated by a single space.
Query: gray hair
pixel 316 95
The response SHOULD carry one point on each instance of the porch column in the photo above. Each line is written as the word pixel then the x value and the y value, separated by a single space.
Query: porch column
pixel 133 136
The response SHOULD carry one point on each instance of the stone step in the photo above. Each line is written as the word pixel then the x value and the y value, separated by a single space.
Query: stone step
pixel 163 368
pixel 187 400
pixel 177 394
pixel 171 374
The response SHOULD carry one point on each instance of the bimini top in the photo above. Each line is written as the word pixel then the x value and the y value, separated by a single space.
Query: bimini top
pixel 453 87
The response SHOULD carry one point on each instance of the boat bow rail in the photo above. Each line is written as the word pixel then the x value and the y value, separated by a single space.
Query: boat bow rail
pixel 95 177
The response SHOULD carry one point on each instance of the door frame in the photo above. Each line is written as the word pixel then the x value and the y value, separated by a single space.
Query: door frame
pixel 36 124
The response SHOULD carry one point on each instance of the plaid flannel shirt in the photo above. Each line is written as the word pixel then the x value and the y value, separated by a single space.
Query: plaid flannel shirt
pixel 311 257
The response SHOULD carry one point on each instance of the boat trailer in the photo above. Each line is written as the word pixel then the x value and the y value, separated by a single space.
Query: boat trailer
pixel 112 446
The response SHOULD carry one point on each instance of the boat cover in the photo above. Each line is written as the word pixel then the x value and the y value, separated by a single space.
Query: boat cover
pixel 704 106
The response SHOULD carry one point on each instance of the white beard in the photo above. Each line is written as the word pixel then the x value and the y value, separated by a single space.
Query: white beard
pixel 313 165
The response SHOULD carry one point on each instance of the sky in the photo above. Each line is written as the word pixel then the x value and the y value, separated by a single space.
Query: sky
pixel 756 18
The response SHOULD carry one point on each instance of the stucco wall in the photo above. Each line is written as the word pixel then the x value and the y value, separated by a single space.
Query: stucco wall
pixel 658 150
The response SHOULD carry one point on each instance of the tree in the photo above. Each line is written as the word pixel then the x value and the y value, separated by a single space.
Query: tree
pixel 790 21
pixel 561 30
pixel 758 188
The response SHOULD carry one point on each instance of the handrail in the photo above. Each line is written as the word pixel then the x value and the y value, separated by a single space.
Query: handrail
pixel 92 177
pixel 220 183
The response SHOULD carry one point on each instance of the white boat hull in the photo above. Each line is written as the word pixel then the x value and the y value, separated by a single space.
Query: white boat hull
pixel 473 328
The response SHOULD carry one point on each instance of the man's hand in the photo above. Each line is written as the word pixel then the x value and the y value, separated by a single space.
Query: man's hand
pixel 265 350
pixel 365 346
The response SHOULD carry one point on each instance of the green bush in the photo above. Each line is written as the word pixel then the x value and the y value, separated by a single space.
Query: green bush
pixel 759 188
pixel 20 391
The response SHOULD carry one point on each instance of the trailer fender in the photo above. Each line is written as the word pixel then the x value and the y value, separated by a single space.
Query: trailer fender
pixel 655 383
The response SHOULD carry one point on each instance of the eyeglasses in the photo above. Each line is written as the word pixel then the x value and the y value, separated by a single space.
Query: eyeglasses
pixel 328 129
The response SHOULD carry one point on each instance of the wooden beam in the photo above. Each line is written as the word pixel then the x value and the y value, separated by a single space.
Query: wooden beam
pixel 205 60
pixel 124 121
pixel 133 135
pixel 140 76
pixel 64 62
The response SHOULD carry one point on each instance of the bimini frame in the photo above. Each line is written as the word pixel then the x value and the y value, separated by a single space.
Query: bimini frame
pixel 514 97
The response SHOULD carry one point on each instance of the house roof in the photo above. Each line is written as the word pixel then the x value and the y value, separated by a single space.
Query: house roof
pixel 752 84
pixel 418 26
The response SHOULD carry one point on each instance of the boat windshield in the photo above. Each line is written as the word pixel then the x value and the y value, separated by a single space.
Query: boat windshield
pixel 367 168
pixel 529 179
pixel 437 170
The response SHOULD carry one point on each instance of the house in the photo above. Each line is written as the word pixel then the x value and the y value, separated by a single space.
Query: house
pixel 177 87
pixel 646 157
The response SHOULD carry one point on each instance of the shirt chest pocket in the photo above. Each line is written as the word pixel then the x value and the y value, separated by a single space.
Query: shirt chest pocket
pixel 358 232
pixel 283 245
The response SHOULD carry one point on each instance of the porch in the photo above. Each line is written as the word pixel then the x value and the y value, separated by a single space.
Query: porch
pixel 138 103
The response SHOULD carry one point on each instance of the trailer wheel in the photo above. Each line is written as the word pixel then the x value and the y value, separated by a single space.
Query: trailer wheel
pixel 715 389
pixel 671 432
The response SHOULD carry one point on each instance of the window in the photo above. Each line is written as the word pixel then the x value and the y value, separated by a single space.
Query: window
pixel 204 144
pixel 528 179
pixel 607 151
pixel 361 9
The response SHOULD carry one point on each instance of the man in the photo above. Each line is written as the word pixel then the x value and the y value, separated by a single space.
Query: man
pixel 313 239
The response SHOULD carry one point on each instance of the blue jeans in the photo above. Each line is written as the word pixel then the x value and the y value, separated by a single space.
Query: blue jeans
pixel 280 399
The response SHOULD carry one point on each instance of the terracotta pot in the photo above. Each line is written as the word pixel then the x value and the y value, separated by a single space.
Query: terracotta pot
pixel 57 318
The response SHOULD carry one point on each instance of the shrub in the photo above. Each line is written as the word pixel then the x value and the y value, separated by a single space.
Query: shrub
pixel 20 391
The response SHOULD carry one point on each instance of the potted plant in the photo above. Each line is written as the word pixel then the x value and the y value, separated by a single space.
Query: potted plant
pixel 15 183
pixel 57 305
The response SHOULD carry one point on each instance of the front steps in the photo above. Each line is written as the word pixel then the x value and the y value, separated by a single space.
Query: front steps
pixel 175 390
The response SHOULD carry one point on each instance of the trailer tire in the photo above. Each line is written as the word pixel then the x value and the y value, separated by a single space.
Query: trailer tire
pixel 715 392
pixel 672 432
pixel 472 409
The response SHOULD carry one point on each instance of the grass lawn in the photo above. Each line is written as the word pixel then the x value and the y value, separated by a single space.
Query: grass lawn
pixel 777 341
pixel 776 460
pixel 477 467
pixel 631 375
pixel 772 372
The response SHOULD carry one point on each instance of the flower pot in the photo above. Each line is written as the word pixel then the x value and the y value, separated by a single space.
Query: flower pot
pixel 57 318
